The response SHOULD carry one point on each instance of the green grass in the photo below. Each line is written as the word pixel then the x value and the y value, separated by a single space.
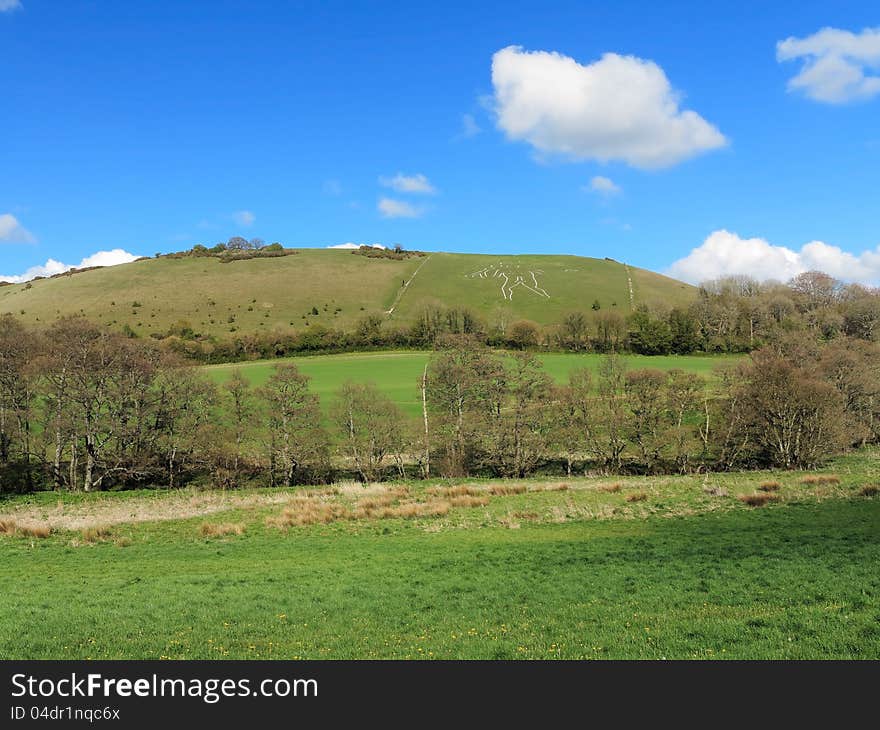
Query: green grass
pixel 397 373
pixel 278 294
pixel 684 574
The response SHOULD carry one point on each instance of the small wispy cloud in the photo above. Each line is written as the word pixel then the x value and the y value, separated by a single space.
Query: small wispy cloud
pixel 11 231
pixel 604 186
pixel 391 208
pixel 7 6
pixel 469 126
pixel 244 217
pixel 332 187
pixel 402 183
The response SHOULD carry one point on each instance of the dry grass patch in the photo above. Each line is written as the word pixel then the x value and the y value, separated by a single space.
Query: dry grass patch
pixel 505 490
pixel 212 529
pixel 467 500
pixel 637 497
pixel 11 527
pixel 716 491
pixel 460 490
pixel 309 512
pixel 612 488
pixel 95 534
pixel 816 479
pixel 561 487
pixel 8 527
pixel 769 486
pixel 758 500
pixel 870 490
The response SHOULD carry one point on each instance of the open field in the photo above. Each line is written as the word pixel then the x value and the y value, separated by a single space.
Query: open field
pixel 333 289
pixel 397 373
pixel 638 567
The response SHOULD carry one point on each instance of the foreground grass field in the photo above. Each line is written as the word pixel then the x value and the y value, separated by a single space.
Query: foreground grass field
pixel 675 567
pixel 398 373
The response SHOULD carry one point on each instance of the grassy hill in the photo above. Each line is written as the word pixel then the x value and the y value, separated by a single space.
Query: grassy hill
pixel 335 289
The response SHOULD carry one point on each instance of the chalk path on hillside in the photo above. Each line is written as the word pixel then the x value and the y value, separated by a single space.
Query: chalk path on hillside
pixel 406 286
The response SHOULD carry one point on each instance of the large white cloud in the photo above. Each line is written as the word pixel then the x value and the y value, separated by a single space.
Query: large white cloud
pixel 616 108
pixel 52 267
pixel 836 64
pixel 11 231
pixel 417 183
pixel 724 253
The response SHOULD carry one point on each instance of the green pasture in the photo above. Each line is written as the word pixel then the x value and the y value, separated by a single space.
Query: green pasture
pixel 398 373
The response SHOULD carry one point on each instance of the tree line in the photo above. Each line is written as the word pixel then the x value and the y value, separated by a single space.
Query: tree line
pixel 83 408
pixel 730 315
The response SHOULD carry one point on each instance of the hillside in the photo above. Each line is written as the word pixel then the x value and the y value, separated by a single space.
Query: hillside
pixel 334 288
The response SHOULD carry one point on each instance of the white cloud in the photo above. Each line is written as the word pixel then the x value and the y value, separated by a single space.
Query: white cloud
pixel 604 186
pixel 408 183
pixel 469 126
pixel 7 6
pixel 390 208
pixel 835 63
pixel 11 231
pixel 244 218
pixel 351 245
pixel 617 108
pixel 52 267
pixel 724 253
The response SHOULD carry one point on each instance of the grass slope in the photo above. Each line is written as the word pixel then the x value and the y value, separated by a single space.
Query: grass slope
pixel 263 295
pixel 582 573
pixel 397 373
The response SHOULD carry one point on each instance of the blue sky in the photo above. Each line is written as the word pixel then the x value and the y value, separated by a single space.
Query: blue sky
pixel 152 126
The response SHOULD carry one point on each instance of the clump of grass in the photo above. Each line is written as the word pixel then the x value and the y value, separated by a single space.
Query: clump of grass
pixel 467 500
pixel 411 510
pixel 530 516
pixel 504 490
pixel 821 479
pixel 8 527
pixel 212 529
pixel 870 490
pixel 40 531
pixel 563 487
pixel 311 512
pixel 122 542
pixel 95 534
pixel 716 491
pixel 460 490
pixel 758 500
pixel 612 488
pixel 769 486
pixel 636 497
